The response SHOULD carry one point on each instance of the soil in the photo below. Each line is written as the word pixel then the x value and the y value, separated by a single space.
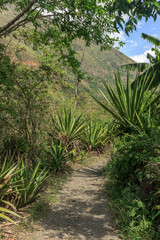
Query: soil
pixel 82 211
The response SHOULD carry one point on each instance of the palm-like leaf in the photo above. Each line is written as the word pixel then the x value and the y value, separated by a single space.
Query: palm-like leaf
pixel 154 75
pixel 151 59
pixel 154 40
pixel 136 66
pixel 152 68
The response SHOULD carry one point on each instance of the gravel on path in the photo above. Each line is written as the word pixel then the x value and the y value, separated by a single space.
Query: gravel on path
pixel 82 212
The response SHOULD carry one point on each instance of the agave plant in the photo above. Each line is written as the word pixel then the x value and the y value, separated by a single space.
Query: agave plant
pixel 56 157
pixel 14 147
pixel 30 185
pixel 95 135
pixel 7 188
pixel 69 127
pixel 127 105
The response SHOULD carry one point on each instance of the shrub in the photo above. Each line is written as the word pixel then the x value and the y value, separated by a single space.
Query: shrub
pixel 133 153
pixel 14 147
pixel 19 186
pixel 133 215
pixel 134 176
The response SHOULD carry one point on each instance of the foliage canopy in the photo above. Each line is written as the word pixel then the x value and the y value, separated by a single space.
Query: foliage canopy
pixel 91 20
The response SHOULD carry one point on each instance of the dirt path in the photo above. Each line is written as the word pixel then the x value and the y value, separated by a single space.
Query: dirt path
pixel 82 212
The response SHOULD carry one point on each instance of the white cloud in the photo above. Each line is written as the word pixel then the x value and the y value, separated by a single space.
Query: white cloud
pixel 147 47
pixel 139 24
pixel 120 35
pixel 142 57
pixel 155 35
pixel 132 43
pixel 135 44
pixel 125 17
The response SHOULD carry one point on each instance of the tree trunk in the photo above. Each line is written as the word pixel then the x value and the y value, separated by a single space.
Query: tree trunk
pixel 76 91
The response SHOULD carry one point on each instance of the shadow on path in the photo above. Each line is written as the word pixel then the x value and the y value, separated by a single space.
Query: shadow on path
pixel 83 211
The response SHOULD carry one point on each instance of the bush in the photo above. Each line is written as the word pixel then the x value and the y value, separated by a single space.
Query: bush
pixel 133 154
pixel 134 176
pixel 133 214
pixel 14 146
pixel 30 184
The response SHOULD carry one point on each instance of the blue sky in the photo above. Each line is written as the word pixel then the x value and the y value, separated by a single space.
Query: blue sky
pixel 135 46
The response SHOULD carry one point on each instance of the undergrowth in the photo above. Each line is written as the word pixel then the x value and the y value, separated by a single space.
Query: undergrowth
pixel 133 183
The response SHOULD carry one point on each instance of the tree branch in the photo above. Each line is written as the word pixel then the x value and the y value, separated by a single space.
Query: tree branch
pixel 8 25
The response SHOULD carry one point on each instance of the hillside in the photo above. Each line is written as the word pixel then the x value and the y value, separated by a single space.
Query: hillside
pixel 98 64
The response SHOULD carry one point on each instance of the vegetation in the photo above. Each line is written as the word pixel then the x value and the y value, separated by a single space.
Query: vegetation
pixel 58 24
pixel 129 105
pixel 56 157
pixel 37 140
pixel 19 186
pixel 6 187
pixel 133 185
pixel 96 136
pixel 133 173
pixel 68 127
pixel 150 69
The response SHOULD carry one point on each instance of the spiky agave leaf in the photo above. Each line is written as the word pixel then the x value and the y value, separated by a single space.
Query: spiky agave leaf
pixel 4 214
pixel 95 135
pixel 58 156
pixel 31 183
pixel 69 125
pixel 7 188
pixel 128 104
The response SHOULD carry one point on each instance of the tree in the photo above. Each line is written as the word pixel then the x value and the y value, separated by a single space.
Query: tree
pixel 92 20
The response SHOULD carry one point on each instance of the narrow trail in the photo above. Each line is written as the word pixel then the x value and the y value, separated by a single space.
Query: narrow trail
pixel 82 212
